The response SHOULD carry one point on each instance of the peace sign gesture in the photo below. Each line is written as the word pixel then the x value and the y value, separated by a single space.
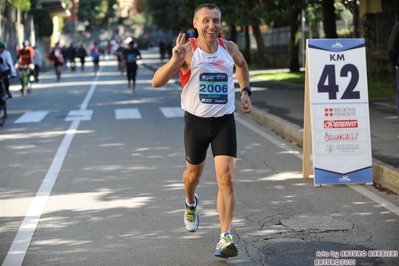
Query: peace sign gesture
pixel 180 51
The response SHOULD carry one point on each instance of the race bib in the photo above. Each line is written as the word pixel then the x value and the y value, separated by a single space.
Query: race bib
pixel 213 88
pixel 131 58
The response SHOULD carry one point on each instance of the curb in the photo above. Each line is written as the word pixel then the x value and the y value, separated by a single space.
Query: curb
pixel 384 176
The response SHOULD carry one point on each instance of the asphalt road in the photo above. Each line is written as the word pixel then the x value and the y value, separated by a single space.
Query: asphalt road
pixel 91 175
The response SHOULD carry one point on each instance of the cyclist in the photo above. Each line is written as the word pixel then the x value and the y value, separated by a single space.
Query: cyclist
pixel 6 68
pixel 25 57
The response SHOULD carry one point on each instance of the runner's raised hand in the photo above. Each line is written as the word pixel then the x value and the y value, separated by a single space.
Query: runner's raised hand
pixel 180 51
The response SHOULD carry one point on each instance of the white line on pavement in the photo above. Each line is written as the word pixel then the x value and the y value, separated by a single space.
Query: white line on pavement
pixel 31 117
pixel 127 113
pixel 170 112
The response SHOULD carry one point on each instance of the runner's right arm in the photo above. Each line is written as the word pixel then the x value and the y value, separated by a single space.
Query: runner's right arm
pixel 176 62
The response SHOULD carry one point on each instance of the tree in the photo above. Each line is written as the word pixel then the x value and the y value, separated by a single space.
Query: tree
pixel 90 11
pixel 109 9
pixel 329 24
pixel 23 5
pixel 43 22
pixel 169 15
pixel 287 12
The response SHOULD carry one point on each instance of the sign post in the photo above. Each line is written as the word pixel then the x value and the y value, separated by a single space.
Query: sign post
pixel 338 97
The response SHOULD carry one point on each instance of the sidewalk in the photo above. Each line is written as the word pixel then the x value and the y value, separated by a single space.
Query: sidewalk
pixel 280 106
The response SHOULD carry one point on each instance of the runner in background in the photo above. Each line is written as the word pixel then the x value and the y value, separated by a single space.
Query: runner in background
pixel 57 60
pixel 95 53
pixel 119 56
pixel 130 57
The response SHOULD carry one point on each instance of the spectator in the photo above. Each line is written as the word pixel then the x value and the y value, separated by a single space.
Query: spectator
pixel 82 53
pixel 71 56
pixel 38 62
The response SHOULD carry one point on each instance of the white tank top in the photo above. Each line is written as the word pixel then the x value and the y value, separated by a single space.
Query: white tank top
pixel 208 87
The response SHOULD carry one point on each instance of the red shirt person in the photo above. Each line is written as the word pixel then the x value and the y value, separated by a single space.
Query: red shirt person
pixel 25 57
pixel 25 54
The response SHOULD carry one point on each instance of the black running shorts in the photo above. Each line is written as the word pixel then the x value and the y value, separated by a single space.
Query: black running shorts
pixel 199 132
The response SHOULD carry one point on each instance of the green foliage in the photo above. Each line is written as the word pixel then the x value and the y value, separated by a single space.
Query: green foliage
pixel 90 10
pixel 96 11
pixel 109 9
pixel 378 87
pixel 43 22
pixel 23 5
pixel 138 19
pixel 169 15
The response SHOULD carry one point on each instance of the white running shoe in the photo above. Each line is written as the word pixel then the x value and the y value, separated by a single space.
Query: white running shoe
pixel 191 218
pixel 226 247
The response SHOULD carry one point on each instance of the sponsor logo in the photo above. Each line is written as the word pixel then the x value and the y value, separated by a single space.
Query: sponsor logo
pixel 340 123
pixel 330 148
pixel 342 148
pixel 344 179
pixel 340 111
pixel 337 45
pixel 341 137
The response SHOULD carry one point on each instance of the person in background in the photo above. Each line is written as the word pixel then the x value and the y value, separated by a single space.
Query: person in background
pixel 162 49
pixel 82 53
pixel 38 61
pixel 71 56
pixel 95 53
pixel 169 47
pixel 393 54
pixel 206 65
pixel 130 57
pixel 57 60
pixel 109 49
pixel 119 56
pixel 7 69
pixel 25 59
pixel 64 51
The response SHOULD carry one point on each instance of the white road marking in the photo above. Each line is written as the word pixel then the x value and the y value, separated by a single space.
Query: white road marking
pixel 82 115
pixel 170 112
pixel 358 188
pixel 20 245
pixel 127 113
pixel 31 117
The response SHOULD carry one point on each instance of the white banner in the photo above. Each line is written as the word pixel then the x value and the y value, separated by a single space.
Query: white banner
pixel 341 144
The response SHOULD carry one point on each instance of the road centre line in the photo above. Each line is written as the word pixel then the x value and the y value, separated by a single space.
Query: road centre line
pixel 23 238
pixel 358 188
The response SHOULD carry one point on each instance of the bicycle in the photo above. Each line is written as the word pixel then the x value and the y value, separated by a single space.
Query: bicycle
pixel 26 82
pixel 3 103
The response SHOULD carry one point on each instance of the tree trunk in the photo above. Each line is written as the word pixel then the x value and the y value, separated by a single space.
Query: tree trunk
pixel 356 20
pixel 233 33
pixel 247 53
pixel 261 46
pixel 330 26
pixel 294 39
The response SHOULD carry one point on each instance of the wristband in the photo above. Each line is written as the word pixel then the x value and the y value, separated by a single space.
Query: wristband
pixel 247 89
